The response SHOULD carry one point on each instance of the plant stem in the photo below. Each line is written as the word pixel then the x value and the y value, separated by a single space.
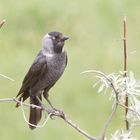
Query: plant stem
pixel 125 69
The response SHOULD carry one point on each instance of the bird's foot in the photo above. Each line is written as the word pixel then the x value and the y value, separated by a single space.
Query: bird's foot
pixel 56 112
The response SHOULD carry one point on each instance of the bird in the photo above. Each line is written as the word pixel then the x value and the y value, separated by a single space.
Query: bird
pixel 45 71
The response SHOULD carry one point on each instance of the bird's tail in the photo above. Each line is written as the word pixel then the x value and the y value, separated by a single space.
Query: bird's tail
pixel 35 113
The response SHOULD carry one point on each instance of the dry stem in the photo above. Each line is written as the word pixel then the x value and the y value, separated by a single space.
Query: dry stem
pixel 113 111
pixel 125 69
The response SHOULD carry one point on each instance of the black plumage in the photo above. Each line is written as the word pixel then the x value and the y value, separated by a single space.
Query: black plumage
pixel 46 69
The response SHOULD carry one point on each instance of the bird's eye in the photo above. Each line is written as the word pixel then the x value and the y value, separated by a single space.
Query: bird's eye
pixel 53 37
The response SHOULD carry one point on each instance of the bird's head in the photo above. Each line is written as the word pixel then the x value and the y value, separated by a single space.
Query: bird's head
pixel 55 41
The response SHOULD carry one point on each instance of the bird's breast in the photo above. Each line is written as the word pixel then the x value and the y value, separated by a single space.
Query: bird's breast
pixel 55 67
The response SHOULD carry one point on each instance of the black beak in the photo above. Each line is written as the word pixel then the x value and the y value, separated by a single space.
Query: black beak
pixel 65 38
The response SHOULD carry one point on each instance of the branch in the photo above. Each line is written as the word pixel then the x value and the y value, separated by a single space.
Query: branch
pixel 7 77
pixel 113 112
pixel 51 112
pixel 2 22
pixel 116 100
pixel 37 126
pixel 68 121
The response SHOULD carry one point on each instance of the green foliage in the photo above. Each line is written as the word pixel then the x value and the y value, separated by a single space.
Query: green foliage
pixel 95 28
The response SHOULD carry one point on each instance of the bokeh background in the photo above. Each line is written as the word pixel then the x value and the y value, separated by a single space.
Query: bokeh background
pixel 95 28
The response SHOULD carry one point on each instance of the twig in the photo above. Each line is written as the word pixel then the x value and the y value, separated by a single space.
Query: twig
pixel 94 71
pixel 112 114
pixel 56 113
pixel 109 121
pixel 2 22
pixel 17 101
pixel 37 126
pixel 122 105
pixel 116 100
pixel 68 121
pixel 125 51
pixel 125 69
pixel 7 77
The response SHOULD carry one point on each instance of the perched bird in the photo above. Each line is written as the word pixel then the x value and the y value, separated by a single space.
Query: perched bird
pixel 46 69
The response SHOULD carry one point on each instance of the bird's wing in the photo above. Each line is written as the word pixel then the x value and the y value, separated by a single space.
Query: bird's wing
pixel 37 69
pixel 66 60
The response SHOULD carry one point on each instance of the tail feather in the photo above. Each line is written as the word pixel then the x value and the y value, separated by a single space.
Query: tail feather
pixel 35 114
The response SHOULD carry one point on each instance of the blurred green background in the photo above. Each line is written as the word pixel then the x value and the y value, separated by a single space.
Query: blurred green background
pixel 95 28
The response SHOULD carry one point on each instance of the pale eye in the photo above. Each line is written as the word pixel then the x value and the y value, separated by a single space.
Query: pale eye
pixel 53 38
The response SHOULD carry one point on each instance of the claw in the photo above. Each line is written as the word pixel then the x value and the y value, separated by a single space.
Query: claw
pixel 56 112
pixel 52 116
